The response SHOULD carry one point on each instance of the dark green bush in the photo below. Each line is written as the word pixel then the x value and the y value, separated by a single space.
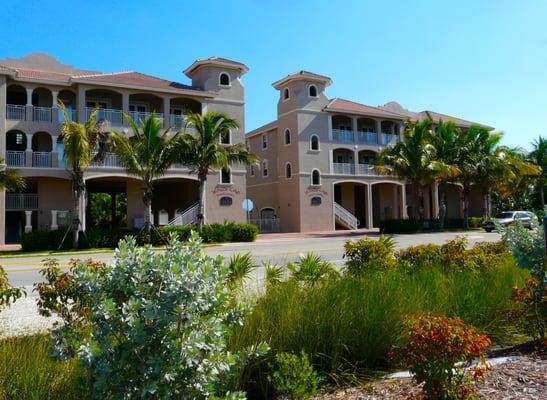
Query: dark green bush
pixel 412 225
pixel 244 232
pixel 400 226
pixel 293 376
pixel 46 240
pixel 367 253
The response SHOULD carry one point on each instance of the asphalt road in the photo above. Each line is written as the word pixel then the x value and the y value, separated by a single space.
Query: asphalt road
pixel 23 271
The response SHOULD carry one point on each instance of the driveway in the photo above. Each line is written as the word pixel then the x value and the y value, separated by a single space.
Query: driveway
pixel 277 249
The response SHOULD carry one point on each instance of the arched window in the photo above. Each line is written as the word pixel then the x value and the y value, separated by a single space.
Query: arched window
pixel 224 79
pixel 288 171
pixel 313 91
pixel 225 175
pixel 315 177
pixel 225 201
pixel 286 94
pixel 315 201
pixel 264 167
pixel 314 142
pixel 287 136
pixel 267 213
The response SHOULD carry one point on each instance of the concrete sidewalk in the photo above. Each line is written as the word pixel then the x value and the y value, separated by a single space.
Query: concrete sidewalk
pixel 317 234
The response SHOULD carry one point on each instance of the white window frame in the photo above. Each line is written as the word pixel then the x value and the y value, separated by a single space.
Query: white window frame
pixel 229 79
pixel 316 91
pixel 286 90
pixel 290 166
pixel 318 143
pixel 319 172
pixel 265 168
pixel 285 137
pixel 229 138
pixel 265 141
pixel 220 177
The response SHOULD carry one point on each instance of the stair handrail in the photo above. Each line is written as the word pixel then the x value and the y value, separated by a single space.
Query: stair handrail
pixel 187 217
pixel 346 216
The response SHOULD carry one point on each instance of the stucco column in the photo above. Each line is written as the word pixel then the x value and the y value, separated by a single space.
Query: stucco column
pixel 329 120
pixel 395 209
pixel 354 128
pixel 379 131
pixel 2 216
pixel 28 109
pixel 125 105
pixel 81 114
pixel 435 205
pixel 369 207
pixel 166 112
pixel 404 213
pixel 356 161
pixel 54 153
pixel 54 108
pixel 54 225
pixel 28 221
pixel 28 151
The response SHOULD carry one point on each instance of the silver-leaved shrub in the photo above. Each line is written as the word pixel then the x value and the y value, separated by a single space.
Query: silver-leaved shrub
pixel 159 324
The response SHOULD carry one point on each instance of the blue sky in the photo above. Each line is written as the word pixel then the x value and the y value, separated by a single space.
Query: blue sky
pixel 483 60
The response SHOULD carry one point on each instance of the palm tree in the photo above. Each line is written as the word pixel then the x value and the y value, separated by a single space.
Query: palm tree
pixel 148 154
pixel 10 178
pixel 83 143
pixel 203 152
pixel 446 141
pixel 413 159
pixel 538 156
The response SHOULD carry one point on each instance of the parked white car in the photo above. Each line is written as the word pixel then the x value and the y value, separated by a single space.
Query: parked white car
pixel 506 218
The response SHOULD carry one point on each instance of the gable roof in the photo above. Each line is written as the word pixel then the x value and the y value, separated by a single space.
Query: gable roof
pixel 351 107
pixel 132 78
pixel 264 128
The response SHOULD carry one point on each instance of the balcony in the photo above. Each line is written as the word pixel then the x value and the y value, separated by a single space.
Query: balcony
pixel 41 114
pixel 343 168
pixel 115 117
pixel 21 201
pixel 342 136
pixel 15 112
pixel 367 170
pixel 41 159
pixel 15 158
pixel 388 139
pixel 110 160
pixel 137 116
pixel 177 121
pixel 368 137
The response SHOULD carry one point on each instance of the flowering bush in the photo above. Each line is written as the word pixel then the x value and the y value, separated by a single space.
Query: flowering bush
pixel 438 351
pixel 528 248
pixel 8 294
pixel 158 323
pixel 368 253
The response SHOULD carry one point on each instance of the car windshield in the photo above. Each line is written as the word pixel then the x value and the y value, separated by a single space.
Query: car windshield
pixel 504 215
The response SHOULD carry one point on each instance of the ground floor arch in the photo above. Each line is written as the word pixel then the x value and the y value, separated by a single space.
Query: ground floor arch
pixel 388 201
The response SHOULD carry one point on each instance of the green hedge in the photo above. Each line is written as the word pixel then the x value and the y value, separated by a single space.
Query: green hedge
pixel 109 238
pixel 412 225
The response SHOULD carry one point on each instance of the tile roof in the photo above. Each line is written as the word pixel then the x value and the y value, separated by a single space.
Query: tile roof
pixel 266 127
pixel 302 74
pixel 348 106
pixel 133 78
pixel 42 75
pixel 215 60
pixel 436 117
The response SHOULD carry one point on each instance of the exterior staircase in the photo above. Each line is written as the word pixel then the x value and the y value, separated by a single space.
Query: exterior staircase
pixel 345 218
pixel 188 217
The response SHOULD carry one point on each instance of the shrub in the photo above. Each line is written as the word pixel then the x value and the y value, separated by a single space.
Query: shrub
pixel 293 376
pixel 368 253
pixel 527 302
pixel 273 274
pixel 400 226
pixel 423 255
pixel 8 294
pixel 45 240
pixel 244 232
pixel 310 269
pixel 240 266
pixel 475 222
pixel 438 351
pixel 158 322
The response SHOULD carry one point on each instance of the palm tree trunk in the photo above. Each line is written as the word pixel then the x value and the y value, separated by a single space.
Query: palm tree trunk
pixel 420 202
pixel 201 208
pixel 147 200
pixel 466 194
pixel 76 219
pixel 442 204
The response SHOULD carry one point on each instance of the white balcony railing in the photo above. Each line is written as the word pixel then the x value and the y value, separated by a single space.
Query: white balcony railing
pixel 15 112
pixel 15 158
pixel 343 168
pixel 115 117
pixel 388 138
pixel 72 115
pixel 177 121
pixel 41 159
pixel 21 201
pixel 368 137
pixel 367 169
pixel 340 135
pixel 110 160
pixel 41 114
pixel 137 116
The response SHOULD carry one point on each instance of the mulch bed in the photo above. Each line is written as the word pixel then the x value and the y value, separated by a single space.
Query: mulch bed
pixel 523 379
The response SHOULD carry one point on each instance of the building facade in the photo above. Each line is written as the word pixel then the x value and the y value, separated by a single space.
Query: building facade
pixel 316 163
pixel 30 127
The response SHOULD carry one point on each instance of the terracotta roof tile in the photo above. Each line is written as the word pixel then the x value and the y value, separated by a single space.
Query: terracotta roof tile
pixel 357 108
pixel 42 75
pixel 134 78
pixel 266 127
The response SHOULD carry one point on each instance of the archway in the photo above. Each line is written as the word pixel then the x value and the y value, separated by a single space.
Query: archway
pixel 388 201
pixel 352 197
pixel 16 144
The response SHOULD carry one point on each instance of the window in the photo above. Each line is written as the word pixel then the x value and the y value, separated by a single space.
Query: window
pixel 225 137
pixel 286 94
pixel 267 213
pixel 265 168
pixel 163 217
pixel 288 171
pixel 315 177
pixel 287 137
pixel 315 201
pixel 225 175
pixel 225 201
pixel 18 138
pixel 313 91
pixel 314 142
pixel 224 79
pixel 264 141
